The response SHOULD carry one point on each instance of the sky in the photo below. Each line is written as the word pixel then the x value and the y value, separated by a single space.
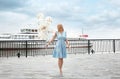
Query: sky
pixel 98 18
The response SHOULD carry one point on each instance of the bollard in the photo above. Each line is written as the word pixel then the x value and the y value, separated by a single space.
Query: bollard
pixel 18 54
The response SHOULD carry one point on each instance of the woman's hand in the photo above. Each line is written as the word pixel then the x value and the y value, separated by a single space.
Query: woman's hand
pixel 69 47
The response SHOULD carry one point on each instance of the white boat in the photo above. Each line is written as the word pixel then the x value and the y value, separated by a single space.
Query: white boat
pixel 15 41
pixel 24 34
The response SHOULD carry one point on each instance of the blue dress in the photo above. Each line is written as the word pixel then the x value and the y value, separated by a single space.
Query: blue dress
pixel 60 47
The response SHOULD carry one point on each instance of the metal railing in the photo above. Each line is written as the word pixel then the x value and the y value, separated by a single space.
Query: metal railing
pixel 106 45
pixel 26 48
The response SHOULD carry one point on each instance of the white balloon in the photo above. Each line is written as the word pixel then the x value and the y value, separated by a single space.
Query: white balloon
pixel 44 24
pixel 40 16
pixel 49 19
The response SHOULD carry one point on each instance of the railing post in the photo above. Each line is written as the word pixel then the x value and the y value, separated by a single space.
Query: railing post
pixel 26 49
pixel 88 46
pixel 114 45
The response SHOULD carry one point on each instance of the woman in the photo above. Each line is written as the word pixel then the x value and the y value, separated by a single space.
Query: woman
pixel 60 48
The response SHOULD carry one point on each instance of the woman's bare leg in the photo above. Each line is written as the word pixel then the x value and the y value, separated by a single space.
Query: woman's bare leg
pixel 60 64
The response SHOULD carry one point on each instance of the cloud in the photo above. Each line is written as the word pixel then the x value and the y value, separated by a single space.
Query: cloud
pixel 107 18
pixel 57 9
pixel 115 2
pixel 92 15
pixel 6 5
pixel 11 22
pixel 61 10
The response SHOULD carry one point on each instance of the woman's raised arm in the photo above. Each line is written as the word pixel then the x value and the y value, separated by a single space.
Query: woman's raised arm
pixel 53 38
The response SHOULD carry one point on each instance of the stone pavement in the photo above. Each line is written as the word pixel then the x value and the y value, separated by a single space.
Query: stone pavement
pixel 79 66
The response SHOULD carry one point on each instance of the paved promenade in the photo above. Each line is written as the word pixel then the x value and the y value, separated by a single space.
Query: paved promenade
pixel 79 66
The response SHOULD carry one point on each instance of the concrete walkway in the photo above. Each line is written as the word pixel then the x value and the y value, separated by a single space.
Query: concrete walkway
pixel 79 66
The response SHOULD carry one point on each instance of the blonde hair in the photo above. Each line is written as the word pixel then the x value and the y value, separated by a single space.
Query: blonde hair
pixel 60 28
